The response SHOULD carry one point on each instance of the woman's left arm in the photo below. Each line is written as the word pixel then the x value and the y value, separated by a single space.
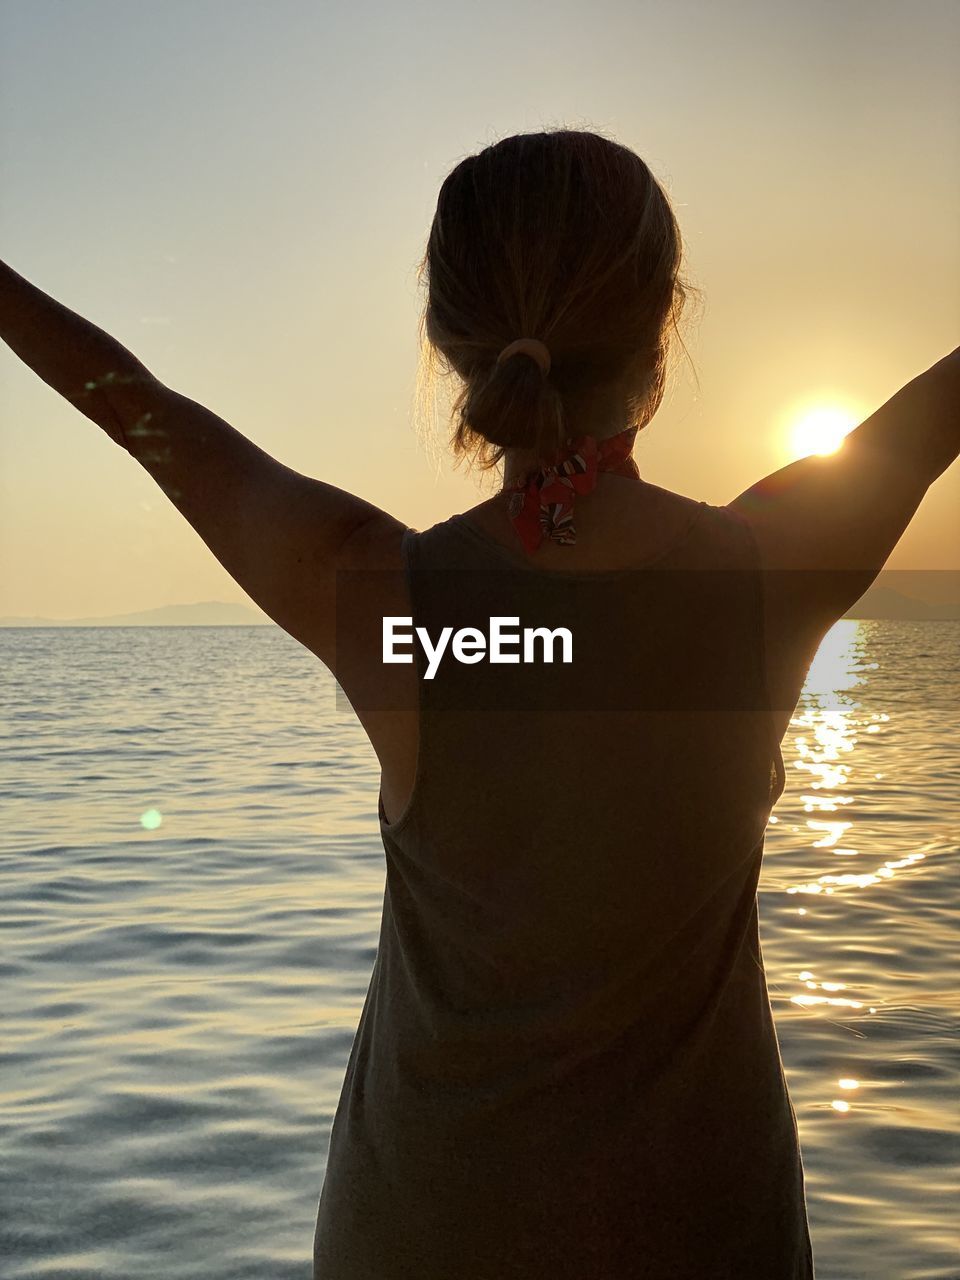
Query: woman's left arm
pixel 281 535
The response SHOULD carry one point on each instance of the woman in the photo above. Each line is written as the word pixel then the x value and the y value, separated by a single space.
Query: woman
pixel 566 1065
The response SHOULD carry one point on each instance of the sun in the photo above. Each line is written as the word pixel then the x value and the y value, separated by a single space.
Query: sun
pixel 820 429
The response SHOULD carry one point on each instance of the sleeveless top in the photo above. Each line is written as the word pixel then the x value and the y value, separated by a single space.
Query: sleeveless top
pixel 566 1066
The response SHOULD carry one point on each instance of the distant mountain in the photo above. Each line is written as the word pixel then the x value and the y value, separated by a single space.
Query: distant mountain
pixel 883 602
pixel 930 595
pixel 209 613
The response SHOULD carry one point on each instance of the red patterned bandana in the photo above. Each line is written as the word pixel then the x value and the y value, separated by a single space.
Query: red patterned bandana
pixel 541 503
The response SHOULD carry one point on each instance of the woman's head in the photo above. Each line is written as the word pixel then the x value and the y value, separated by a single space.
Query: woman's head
pixel 566 237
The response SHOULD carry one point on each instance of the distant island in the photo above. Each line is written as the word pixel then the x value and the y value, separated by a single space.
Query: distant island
pixel 879 602
pixel 921 595
pixel 209 613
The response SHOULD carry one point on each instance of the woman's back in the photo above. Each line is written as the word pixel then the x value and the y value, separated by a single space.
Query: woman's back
pixel 822 529
pixel 566 1065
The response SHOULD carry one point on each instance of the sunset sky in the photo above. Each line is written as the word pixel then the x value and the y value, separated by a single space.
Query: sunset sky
pixel 240 193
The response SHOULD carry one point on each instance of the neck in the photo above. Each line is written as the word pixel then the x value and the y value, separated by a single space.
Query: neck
pixel 602 417
pixel 518 463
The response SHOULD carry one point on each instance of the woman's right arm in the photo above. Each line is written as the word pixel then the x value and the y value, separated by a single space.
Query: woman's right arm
pixel 826 525
pixel 919 427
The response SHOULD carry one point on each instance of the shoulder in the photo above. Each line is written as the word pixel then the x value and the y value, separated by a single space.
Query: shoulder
pixel 376 544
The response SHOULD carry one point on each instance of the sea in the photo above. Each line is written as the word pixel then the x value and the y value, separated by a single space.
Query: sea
pixel 192 879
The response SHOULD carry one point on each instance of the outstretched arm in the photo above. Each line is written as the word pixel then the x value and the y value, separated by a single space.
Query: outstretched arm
pixel 84 364
pixel 839 517
pixel 281 535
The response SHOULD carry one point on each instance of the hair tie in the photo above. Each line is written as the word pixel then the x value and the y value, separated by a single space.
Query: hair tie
pixel 532 347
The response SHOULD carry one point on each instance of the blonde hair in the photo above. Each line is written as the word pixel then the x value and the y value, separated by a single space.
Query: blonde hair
pixel 565 236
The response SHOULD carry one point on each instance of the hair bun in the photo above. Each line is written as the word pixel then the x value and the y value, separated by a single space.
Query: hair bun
pixel 515 406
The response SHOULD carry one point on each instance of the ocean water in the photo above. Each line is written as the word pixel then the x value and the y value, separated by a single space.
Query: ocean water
pixel 192 880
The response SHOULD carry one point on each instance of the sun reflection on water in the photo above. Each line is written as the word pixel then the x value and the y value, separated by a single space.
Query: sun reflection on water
pixel 846 754
pixel 807 1000
pixel 886 871
pixel 825 732
pixel 826 726
pixel 834 830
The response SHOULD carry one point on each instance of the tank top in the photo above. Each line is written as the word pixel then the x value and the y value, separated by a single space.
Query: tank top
pixel 566 1065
